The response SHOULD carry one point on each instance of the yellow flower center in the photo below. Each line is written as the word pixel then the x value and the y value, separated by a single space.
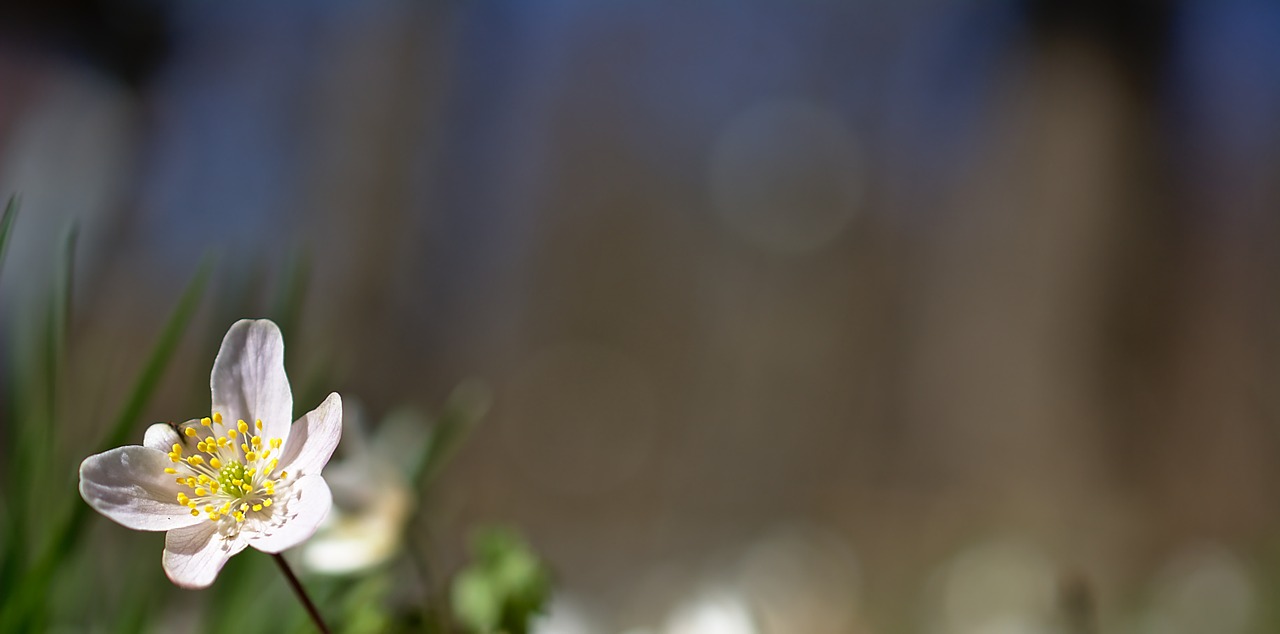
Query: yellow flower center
pixel 231 475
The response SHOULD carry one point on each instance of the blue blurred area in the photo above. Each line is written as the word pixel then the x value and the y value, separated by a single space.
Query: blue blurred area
pixel 1224 91
pixel 228 133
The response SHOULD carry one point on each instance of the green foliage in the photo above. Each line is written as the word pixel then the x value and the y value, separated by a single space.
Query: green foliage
pixel 46 526
pixel 503 588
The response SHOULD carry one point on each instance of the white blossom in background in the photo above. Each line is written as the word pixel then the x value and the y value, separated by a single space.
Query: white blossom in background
pixel 373 495
pixel 715 610
pixel 243 476
pixel 565 615
pixel 1006 585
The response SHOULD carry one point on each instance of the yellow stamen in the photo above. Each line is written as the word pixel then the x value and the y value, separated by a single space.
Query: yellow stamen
pixel 190 431
pixel 195 513
pixel 170 470
pixel 258 423
pixel 231 433
pixel 200 446
pixel 251 456
pixel 183 499
pixel 266 502
pixel 256 441
pixel 242 426
pixel 215 463
pixel 247 488
pixel 258 507
pixel 177 449
pixel 239 517
pixel 217 418
pixel 206 422
pixel 195 460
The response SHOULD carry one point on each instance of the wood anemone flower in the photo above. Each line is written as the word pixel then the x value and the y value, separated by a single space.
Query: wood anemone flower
pixel 242 476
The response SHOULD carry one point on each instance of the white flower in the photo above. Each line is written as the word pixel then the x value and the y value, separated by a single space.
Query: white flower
pixel 242 477
pixel 373 496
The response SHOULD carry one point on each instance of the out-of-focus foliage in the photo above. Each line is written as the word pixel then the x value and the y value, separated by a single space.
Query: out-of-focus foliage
pixel 45 526
pixel 503 588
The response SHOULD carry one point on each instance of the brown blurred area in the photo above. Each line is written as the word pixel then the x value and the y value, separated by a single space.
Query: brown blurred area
pixel 898 279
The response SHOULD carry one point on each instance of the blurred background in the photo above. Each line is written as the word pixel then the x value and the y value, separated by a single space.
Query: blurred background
pixel 811 317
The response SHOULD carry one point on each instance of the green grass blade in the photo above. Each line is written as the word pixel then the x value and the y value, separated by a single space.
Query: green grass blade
pixel 20 609
pixel 6 224
pixel 466 405
pixel 38 429
pixel 286 308
pixel 11 544
pixel 161 353
pixel 13 548
pixel 66 284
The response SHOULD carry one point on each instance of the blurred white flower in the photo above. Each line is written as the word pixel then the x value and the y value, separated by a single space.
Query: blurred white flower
pixel 564 616
pixel 1002 586
pixel 246 484
pixel 1201 589
pixel 713 611
pixel 373 495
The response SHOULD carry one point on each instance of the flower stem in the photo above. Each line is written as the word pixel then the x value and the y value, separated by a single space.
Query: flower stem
pixel 301 592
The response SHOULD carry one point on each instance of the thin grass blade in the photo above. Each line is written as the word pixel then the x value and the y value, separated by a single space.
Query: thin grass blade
pixel 6 224
pixel 466 405
pixel 20 609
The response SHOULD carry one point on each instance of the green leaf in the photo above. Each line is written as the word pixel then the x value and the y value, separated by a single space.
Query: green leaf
pixel 506 572
pixel 476 604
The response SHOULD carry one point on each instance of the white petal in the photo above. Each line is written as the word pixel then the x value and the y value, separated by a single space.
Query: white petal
pixel 313 438
pixel 129 485
pixel 307 504
pixel 194 555
pixel 248 380
pixel 161 437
